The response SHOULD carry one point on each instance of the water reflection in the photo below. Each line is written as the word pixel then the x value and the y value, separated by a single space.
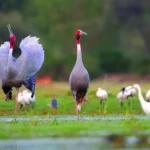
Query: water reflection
pixel 82 143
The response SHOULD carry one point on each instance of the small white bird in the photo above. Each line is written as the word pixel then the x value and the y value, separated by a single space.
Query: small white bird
pixel 148 96
pixel 131 90
pixel 102 95
pixel 24 98
pixel 145 105
pixel 122 95
pixel 27 97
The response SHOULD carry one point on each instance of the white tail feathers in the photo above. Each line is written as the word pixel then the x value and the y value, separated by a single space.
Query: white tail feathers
pixel 79 107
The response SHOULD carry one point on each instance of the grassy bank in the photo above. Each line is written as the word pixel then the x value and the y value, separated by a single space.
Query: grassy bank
pixel 55 127
pixel 66 104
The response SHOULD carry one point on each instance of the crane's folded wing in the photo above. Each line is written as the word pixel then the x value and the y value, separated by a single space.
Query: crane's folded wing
pixel 31 58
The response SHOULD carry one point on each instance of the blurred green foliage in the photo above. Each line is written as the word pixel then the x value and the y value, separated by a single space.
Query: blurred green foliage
pixel 117 41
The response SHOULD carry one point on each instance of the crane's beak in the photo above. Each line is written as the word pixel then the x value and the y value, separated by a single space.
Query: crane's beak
pixel 83 33
pixel 10 30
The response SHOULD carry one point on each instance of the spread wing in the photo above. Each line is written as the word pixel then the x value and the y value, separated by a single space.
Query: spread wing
pixel 31 58
pixel 30 84
pixel 4 51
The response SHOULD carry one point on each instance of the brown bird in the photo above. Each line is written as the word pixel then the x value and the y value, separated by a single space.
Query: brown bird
pixel 79 79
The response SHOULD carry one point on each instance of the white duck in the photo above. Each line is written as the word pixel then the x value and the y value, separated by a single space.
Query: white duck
pixel 145 105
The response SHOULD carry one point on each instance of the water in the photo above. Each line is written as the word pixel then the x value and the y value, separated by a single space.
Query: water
pixel 96 140
pixel 73 118
pixel 83 143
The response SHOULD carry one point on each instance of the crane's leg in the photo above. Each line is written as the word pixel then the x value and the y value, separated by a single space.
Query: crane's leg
pixel 16 105
pixel 75 105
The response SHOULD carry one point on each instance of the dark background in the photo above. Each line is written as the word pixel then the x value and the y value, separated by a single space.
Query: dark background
pixel 118 39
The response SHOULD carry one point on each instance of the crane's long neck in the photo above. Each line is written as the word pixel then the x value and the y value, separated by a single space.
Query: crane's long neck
pixel 79 53
pixel 142 101
pixel 10 59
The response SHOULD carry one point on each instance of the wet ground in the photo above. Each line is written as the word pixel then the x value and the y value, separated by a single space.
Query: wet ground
pixel 83 143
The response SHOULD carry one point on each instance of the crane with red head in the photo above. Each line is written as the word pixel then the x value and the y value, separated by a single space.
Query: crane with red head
pixel 79 79
pixel 16 72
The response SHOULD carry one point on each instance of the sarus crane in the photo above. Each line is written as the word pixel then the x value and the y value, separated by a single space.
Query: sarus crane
pixel 16 72
pixel 79 79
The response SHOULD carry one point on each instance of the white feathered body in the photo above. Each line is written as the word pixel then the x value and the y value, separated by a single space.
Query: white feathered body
pixel 121 96
pixel 27 97
pixel 20 99
pixel 102 94
pixel 145 105
pixel 148 95
pixel 131 90
pixel 128 92
pixel 24 98
pixel 26 65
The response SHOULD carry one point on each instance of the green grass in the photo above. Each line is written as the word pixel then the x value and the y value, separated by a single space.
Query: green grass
pixel 55 128
pixel 44 95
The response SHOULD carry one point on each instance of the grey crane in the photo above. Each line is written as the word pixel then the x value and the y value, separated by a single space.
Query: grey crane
pixel 16 72
pixel 79 79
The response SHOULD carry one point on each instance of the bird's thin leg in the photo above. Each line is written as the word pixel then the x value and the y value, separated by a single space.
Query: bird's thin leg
pixel 75 105
pixel 103 104
pixel 21 106
pixel 121 104
pixel 128 103
pixel 100 107
pixel 54 111
pixel 100 102
pixel 105 107
pixel 76 109
pixel 74 99
pixel 133 103
pixel 16 105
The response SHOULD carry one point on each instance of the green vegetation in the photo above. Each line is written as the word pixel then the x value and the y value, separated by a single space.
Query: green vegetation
pixel 44 94
pixel 118 33
pixel 51 126
pixel 55 128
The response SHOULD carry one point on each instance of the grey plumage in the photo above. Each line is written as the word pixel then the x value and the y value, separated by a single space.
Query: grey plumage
pixel 79 82
pixel 17 71
pixel 79 79
pixel 54 103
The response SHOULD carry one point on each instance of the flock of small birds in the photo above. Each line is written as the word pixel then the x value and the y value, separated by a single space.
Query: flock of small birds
pixel 124 94
pixel 25 99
